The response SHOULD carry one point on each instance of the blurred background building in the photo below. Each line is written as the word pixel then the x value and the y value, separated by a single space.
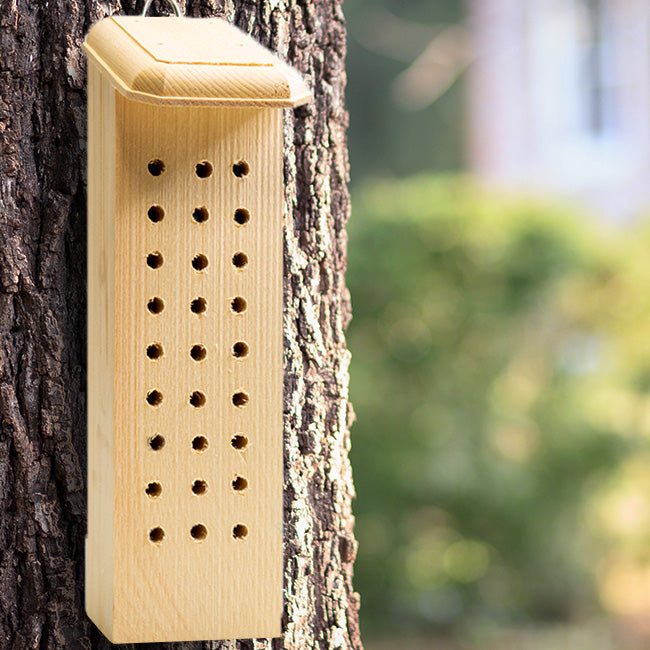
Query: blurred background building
pixel 559 98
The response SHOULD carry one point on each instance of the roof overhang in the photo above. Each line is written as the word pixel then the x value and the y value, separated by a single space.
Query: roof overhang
pixel 199 61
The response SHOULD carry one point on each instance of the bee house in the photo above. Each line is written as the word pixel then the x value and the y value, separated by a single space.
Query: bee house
pixel 185 209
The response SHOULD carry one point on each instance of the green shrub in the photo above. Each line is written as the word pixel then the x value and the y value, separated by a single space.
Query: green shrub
pixel 487 343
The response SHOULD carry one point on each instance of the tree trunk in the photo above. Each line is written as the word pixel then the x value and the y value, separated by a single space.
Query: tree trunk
pixel 42 324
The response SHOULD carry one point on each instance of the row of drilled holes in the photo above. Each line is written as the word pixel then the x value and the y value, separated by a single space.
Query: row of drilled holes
pixel 199 443
pixel 197 398
pixel 199 487
pixel 198 305
pixel 198 352
pixel 199 262
pixel 198 533
pixel 156 214
pixel 203 169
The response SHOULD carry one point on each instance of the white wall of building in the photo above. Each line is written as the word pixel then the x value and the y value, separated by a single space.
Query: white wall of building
pixel 560 99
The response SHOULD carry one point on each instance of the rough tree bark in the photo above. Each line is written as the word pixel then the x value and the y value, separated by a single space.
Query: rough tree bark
pixel 42 323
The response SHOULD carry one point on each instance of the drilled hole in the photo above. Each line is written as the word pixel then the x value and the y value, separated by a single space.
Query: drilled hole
pixel 198 352
pixel 154 398
pixel 199 262
pixel 154 260
pixel 156 213
pixel 240 349
pixel 240 260
pixel 154 490
pixel 240 169
pixel 199 532
pixel 199 443
pixel 200 215
pixel 198 305
pixel 239 442
pixel 239 531
pixel 203 169
pixel 155 305
pixel 199 487
pixel 197 399
pixel 156 167
pixel 238 304
pixel 157 442
pixel 156 535
pixel 155 351
pixel 239 484
pixel 242 216
pixel 240 399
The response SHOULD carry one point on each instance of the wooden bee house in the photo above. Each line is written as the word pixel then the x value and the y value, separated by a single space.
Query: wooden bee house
pixel 185 207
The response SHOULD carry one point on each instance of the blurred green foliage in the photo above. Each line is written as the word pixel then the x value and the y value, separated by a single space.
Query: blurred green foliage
pixel 500 378
pixel 384 139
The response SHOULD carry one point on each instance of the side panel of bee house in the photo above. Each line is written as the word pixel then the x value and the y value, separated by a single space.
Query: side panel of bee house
pixel 101 349
pixel 184 368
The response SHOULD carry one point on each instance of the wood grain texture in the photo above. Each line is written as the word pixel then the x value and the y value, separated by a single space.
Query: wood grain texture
pixel 43 314
pixel 188 61
pixel 227 584
pixel 99 595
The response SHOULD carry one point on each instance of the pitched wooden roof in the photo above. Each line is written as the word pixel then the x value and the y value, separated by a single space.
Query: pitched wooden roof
pixel 191 60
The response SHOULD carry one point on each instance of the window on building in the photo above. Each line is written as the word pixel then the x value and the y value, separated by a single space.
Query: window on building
pixel 599 83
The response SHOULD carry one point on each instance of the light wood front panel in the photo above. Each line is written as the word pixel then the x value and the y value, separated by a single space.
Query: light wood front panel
pixel 229 584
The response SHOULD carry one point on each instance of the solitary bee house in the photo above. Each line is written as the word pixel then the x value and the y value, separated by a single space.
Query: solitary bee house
pixel 185 203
